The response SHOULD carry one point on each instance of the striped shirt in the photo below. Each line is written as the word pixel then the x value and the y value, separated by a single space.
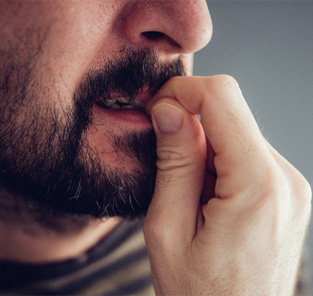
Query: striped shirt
pixel 117 265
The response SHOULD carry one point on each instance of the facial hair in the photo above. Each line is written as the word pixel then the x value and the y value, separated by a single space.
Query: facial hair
pixel 49 162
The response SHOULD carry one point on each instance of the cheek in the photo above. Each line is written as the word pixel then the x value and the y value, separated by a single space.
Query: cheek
pixel 73 44
pixel 98 145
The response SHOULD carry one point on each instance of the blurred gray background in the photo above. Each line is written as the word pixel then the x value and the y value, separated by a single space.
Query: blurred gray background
pixel 268 47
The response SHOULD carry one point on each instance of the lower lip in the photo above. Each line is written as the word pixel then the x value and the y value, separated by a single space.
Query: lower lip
pixel 126 116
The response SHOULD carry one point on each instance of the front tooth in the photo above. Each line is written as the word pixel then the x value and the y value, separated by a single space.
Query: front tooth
pixel 110 102
pixel 123 100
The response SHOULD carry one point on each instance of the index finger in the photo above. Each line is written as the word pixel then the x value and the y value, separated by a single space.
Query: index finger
pixel 226 120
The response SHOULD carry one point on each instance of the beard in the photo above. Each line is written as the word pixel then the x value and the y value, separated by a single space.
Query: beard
pixel 45 157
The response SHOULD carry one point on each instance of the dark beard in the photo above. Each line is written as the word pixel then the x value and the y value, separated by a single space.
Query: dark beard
pixel 50 164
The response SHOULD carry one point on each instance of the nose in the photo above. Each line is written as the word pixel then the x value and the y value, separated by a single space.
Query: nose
pixel 173 26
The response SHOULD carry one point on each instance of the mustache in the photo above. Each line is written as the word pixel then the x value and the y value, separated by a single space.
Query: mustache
pixel 129 74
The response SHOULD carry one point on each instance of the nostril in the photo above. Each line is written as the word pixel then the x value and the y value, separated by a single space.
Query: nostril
pixel 153 35
pixel 158 36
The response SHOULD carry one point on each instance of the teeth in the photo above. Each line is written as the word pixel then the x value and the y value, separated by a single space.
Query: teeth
pixel 110 102
pixel 124 103
pixel 123 100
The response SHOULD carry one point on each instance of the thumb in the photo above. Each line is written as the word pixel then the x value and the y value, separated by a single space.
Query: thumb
pixel 181 155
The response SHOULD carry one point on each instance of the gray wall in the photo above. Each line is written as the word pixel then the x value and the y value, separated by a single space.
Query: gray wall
pixel 268 47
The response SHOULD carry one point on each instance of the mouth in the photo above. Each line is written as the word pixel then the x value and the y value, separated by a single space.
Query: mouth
pixel 122 103
pixel 123 109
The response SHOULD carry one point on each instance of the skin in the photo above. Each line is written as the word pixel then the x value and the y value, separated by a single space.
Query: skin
pixel 247 236
pixel 68 38
pixel 225 201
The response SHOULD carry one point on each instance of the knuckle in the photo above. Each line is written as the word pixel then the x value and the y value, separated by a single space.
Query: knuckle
pixel 157 234
pixel 287 196
pixel 272 190
pixel 308 192
pixel 177 79
pixel 303 192
pixel 300 192
pixel 300 188
pixel 170 153
pixel 227 90
pixel 227 81
pixel 273 196
pixel 151 231
pixel 169 159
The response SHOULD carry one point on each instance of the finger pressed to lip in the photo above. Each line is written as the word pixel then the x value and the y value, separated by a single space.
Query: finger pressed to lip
pixel 226 118
pixel 237 143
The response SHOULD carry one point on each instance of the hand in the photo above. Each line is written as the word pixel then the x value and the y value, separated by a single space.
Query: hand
pixel 229 214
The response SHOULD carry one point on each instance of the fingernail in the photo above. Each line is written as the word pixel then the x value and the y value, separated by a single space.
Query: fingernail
pixel 168 118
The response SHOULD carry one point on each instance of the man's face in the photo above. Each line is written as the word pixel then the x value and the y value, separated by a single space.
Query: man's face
pixel 75 76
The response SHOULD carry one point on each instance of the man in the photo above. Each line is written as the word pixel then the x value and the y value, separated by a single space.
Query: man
pixel 87 89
